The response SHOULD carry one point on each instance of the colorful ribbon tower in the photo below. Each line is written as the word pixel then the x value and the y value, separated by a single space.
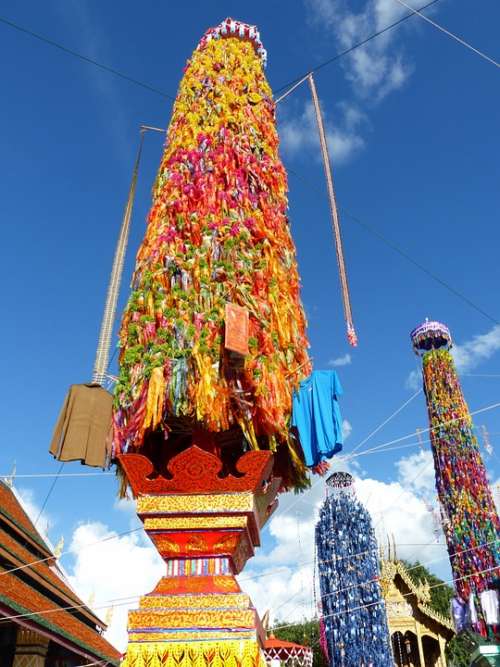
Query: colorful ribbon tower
pixel 354 619
pixel 212 345
pixel 217 251
pixel 470 520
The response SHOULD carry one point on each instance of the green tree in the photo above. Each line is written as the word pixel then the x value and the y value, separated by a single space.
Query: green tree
pixel 441 593
pixel 458 649
pixel 306 633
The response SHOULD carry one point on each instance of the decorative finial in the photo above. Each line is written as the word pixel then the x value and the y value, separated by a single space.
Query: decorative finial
pixel 10 479
pixel 109 615
pixel 429 336
pixel 340 480
pixel 59 547
pixel 395 555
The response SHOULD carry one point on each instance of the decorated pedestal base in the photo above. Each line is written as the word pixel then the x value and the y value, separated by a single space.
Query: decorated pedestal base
pixel 205 526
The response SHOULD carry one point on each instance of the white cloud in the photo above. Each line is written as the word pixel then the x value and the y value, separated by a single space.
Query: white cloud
pixel 42 521
pixel 414 380
pixel 377 68
pixel 479 348
pixel 345 360
pixel 416 472
pixel 346 428
pixel 299 132
pixel 400 512
pixel 467 356
pixel 117 569
pixel 281 576
pixel 400 508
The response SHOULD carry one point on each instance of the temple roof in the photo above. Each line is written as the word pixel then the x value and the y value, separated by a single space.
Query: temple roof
pixel 272 642
pixel 39 591
pixel 419 593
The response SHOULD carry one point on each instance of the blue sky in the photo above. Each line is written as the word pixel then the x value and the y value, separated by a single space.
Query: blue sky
pixel 413 127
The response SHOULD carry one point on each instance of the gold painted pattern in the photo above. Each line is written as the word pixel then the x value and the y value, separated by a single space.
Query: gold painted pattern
pixel 242 635
pixel 194 522
pixel 187 654
pixel 183 619
pixel 236 600
pixel 182 504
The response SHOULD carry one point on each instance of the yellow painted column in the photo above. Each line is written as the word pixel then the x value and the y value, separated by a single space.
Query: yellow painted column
pixel 420 646
pixel 442 645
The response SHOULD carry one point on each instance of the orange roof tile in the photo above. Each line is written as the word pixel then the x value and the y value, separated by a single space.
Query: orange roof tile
pixel 272 642
pixel 39 588
pixel 11 509
pixel 23 599
pixel 18 555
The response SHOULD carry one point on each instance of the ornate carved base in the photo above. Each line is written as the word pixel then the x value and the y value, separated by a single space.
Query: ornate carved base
pixel 205 527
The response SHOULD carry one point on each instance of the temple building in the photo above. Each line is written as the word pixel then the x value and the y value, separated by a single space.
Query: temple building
pixel 43 623
pixel 418 632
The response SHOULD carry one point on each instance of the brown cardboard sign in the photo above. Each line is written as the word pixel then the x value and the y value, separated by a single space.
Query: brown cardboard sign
pixel 236 337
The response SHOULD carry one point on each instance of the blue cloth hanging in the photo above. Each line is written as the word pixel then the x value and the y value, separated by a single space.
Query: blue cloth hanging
pixel 316 416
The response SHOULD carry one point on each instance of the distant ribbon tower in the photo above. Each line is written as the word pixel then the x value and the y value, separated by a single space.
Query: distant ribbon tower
pixel 469 517
pixel 212 345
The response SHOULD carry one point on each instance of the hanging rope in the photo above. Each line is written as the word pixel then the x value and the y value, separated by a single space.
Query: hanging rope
pixel 104 344
pixel 351 333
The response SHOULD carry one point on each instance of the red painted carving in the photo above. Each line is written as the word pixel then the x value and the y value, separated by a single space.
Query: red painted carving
pixel 197 471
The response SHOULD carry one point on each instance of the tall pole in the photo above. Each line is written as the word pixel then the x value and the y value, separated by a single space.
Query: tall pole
pixel 108 318
pixel 351 333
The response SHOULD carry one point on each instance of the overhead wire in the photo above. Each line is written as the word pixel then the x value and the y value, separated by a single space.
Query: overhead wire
pixel 458 39
pixel 383 512
pixel 366 551
pixel 433 428
pixel 49 493
pixel 295 81
pixel 117 602
pixel 147 86
pixel 357 45
pixel 403 253
pixel 68 551
pixel 112 70
pixel 87 59
pixel 347 457
pixel 386 421
pixel 371 604
pixel 411 568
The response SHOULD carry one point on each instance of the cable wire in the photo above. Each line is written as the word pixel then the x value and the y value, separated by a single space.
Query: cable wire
pixel 147 86
pixel 386 421
pixel 68 551
pixel 337 56
pixel 49 493
pixel 402 252
pixel 131 598
pixel 366 551
pixel 450 34
pixel 371 604
pixel 84 58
